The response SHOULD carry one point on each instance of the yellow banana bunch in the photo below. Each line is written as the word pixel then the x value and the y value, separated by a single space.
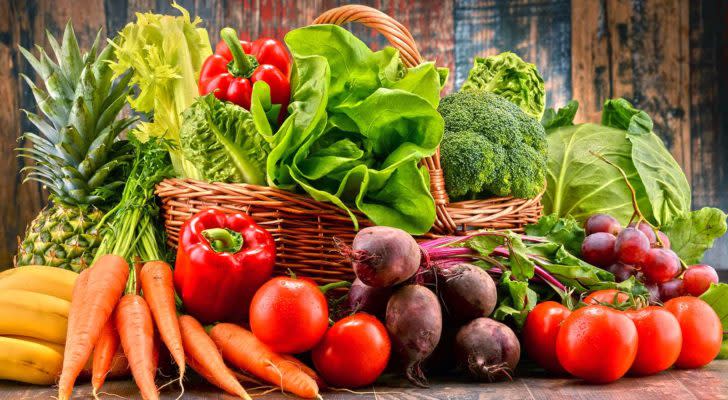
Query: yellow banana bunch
pixel 30 360
pixel 35 315
pixel 56 282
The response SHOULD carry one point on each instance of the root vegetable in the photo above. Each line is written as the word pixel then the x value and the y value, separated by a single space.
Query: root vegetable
pixel 372 300
pixel 468 292
pixel 487 349
pixel 414 322
pixel 383 256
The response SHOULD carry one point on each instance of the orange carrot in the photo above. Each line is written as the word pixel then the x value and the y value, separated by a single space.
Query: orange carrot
pixel 158 289
pixel 136 331
pixel 104 354
pixel 98 294
pixel 243 350
pixel 203 357
pixel 305 369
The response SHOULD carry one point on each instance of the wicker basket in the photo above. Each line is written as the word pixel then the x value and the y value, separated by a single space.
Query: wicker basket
pixel 304 228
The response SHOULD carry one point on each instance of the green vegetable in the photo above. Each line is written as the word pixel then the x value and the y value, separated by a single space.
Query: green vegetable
pixel 717 297
pixel 509 76
pixel 693 233
pixel 490 147
pixel 565 231
pixel 563 117
pixel 222 141
pixel 359 124
pixel 580 184
pixel 133 225
pixel 165 54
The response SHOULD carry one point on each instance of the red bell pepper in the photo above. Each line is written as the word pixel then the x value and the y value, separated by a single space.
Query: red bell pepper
pixel 222 259
pixel 237 64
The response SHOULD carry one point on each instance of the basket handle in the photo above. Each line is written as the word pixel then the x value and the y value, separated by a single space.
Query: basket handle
pixel 401 39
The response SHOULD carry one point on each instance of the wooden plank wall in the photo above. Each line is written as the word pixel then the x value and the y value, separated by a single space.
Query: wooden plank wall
pixel 667 56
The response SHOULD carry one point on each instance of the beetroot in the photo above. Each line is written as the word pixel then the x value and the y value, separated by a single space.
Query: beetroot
pixel 372 300
pixel 383 256
pixel 487 349
pixel 414 323
pixel 467 291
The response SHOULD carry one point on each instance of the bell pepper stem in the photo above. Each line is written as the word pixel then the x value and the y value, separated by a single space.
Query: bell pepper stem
pixel 334 285
pixel 223 240
pixel 241 63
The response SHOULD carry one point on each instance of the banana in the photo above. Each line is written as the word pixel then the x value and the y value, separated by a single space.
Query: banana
pixel 30 360
pixel 52 281
pixel 34 315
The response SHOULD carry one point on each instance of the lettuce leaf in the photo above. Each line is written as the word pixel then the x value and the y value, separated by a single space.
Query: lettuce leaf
pixel 358 126
pixel 693 233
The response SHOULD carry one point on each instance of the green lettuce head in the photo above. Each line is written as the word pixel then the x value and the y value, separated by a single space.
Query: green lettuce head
pixel 509 76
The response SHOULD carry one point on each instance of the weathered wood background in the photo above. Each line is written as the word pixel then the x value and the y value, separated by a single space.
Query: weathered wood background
pixel 670 57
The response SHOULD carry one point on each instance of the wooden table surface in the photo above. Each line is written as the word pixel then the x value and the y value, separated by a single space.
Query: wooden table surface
pixel 709 383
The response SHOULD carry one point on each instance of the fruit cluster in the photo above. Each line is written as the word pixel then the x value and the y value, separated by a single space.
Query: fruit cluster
pixel 644 252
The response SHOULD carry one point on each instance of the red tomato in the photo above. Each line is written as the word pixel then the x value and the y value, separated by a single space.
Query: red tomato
pixel 701 331
pixel 289 315
pixel 597 344
pixel 539 334
pixel 606 296
pixel 660 340
pixel 354 352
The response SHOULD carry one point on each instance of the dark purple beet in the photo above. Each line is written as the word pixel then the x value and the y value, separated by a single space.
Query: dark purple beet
pixel 383 256
pixel 467 291
pixel 369 299
pixel 414 323
pixel 487 349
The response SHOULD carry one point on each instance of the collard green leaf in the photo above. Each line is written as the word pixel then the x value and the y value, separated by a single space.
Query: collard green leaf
pixel 564 231
pixel 693 233
pixel 563 117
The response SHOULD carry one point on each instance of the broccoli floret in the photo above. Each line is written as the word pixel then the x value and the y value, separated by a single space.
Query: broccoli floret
pixel 490 147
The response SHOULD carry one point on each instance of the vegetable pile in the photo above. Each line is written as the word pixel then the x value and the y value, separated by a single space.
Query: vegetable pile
pixel 608 282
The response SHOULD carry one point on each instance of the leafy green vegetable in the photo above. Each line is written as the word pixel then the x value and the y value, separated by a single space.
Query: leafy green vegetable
pixel 563 117
pixel 165 54
pixel 359 124
pixel 518 299
pixel 693 233
pixel 579 184
pixel 717 297
pixel 509 76
pixel 490 147
pixel 222 141
pixel 565 231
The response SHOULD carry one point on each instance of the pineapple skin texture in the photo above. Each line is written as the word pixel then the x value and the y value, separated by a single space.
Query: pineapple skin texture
pixel 61 236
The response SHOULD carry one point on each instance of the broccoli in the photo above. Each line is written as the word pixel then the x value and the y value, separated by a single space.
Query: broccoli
pixel 490 147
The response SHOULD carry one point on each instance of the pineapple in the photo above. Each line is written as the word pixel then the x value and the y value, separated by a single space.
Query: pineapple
pixel 76 152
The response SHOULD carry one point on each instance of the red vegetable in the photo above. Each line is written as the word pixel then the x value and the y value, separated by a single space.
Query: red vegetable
pixel 702 331
pixel 540 331
pixel 659 340
pixel 610 296
pixel 289 315
pixel 354 352
pixel 597 344
pixel 222 260
pixel 237 64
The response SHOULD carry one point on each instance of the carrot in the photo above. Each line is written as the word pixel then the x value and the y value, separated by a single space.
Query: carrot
pixel 243 350
pixel 90 309
pixel 104 354
pixel 136 331
pixel 305 369
pixel 158 289
pixel 203 357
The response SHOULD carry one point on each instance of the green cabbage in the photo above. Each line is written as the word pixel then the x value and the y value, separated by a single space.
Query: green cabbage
pixel 359 123
pixel 579 184
pixel 509 76
pixel 223 143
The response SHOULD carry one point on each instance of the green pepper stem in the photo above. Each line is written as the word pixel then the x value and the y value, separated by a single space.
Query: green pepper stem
pixel 241 63
pixel 223 240
pixel 334 285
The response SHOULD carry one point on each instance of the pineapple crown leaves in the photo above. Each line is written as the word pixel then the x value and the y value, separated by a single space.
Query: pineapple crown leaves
pixel 76 151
